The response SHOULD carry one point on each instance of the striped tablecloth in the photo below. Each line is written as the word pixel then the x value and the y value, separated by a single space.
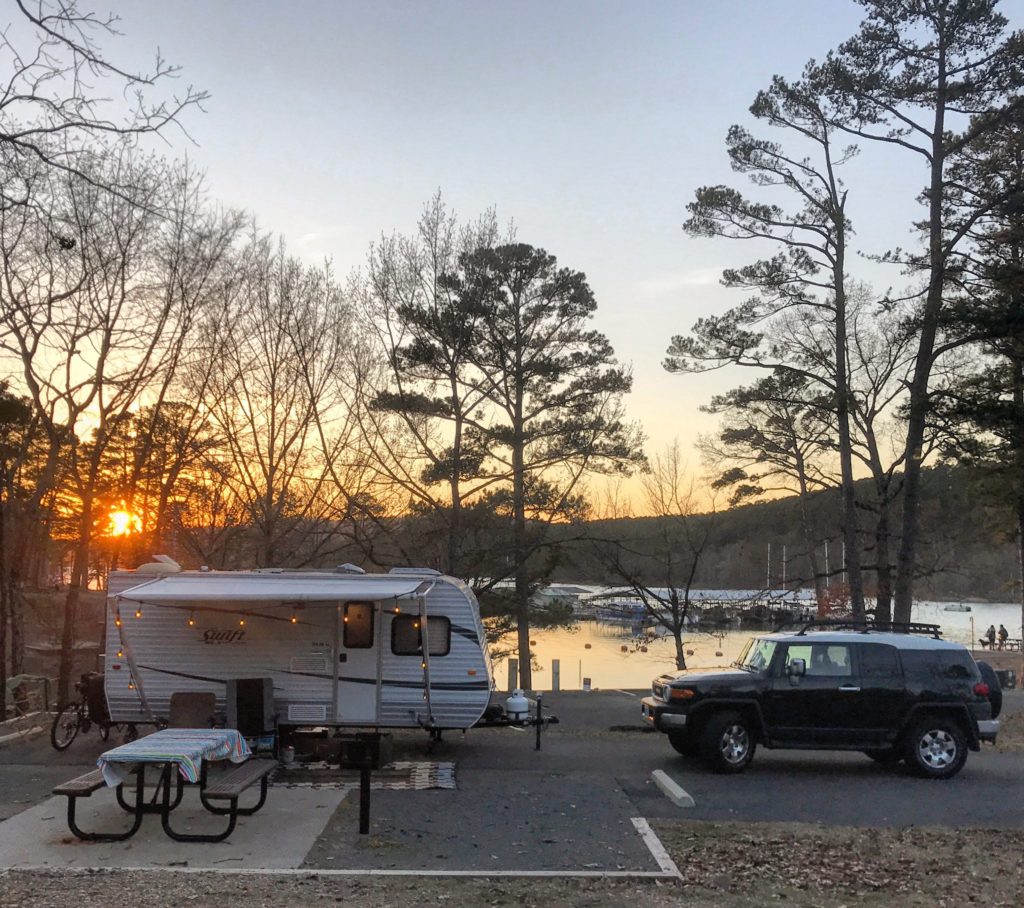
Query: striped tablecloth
pixel 187 747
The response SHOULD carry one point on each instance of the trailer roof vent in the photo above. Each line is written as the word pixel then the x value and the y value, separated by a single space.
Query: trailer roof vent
pixel 161 564
pixel 349 568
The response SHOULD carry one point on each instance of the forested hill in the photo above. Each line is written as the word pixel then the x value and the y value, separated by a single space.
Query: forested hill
pixel 968 548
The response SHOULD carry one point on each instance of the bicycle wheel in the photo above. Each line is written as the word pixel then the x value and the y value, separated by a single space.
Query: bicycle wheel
pixel 65 727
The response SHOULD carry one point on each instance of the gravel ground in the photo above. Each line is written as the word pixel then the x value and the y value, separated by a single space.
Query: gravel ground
pixel 148 890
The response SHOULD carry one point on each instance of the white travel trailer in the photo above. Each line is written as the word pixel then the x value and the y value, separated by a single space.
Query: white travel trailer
pixel 404 649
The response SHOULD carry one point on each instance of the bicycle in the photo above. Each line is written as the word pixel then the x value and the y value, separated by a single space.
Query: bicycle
pixel 90 709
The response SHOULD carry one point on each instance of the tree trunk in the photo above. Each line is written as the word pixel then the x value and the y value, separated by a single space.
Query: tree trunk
pixel 883 604
pixel 1017 370
pixel 4 610
pixel 519 553
pixel 851 537
pixel 16 616
pixel 918 407
pixel 455 488
pixel 79 577
pixel 679 625
pixel 820 586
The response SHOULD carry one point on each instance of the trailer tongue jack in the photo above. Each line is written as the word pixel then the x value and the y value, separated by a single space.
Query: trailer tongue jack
pixel 512 715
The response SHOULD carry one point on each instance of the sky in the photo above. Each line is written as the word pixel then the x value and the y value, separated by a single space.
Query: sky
pixel 588 124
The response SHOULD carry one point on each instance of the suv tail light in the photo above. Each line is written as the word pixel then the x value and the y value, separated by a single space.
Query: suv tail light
pixel 981 689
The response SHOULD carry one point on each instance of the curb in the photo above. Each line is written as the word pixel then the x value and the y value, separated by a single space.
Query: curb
pixel 672 789
pixel 22 727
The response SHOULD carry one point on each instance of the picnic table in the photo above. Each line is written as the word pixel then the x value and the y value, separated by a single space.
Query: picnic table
pixel 187 748
pixel 181 755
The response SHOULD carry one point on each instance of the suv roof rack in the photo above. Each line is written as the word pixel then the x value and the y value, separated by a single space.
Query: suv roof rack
pixel 865 625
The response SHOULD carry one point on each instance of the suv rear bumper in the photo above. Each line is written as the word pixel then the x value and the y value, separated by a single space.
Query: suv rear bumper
pixel 660 716
pixel 988 729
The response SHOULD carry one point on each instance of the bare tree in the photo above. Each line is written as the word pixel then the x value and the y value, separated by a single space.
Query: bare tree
pixel 63 99
pixel 661 565
pixel 775 438
pixel 420 397
pixel 276 405
pixel 95 321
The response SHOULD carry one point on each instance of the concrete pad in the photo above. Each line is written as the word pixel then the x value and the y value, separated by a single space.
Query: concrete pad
pixel 278 836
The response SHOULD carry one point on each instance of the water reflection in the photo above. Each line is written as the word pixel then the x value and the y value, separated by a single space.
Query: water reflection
pixel 629 656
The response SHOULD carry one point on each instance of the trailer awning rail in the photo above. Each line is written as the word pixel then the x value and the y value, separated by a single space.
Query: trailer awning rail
pixel 285 588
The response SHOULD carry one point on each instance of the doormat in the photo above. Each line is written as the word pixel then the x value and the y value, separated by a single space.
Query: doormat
pixel 397 776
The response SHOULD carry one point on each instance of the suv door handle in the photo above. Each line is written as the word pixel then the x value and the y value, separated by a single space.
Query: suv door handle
pixel 850 688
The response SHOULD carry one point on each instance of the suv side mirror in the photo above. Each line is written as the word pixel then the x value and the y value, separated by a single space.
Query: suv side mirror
pixel 797 668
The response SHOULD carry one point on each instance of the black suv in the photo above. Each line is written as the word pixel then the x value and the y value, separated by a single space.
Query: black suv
pixel 895 692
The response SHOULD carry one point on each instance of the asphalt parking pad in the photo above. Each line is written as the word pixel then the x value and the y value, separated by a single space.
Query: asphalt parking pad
pixel 278 836
pixel 507 821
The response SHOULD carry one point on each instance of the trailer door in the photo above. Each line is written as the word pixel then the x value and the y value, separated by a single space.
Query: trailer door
pixel 358 663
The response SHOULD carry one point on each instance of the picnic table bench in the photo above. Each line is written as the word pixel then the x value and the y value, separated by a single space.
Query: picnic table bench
pixel 231 783
pixel 83 787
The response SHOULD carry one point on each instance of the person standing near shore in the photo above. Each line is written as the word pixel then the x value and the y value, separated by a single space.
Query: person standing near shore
pixel 1003 634
pixel 990 635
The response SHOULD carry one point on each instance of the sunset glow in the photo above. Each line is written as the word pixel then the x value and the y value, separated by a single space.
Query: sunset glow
pixel 122 523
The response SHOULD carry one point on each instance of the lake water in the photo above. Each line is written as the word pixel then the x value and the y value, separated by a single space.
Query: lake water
pixel 594 649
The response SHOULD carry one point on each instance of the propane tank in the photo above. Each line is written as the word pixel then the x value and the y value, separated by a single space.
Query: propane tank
pixel 517 706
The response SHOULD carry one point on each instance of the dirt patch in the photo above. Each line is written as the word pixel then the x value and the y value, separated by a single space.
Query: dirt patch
pixel 1011 733
pixel 803 864
pixel 151 889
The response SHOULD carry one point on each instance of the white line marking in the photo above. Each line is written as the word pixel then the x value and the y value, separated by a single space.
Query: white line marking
pixel 672 789
pixel 626 692
pixel 656 849
pixel 331 871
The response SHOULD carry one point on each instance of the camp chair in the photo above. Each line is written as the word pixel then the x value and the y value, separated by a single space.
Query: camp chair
pixel 192 709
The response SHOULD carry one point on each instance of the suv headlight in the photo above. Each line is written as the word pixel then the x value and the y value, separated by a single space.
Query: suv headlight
pixel 678 693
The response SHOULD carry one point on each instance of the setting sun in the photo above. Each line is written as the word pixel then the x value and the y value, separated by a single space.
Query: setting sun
pixel 124 522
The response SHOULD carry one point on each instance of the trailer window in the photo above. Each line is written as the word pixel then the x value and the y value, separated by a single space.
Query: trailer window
pixel 358 625
pixel 405 635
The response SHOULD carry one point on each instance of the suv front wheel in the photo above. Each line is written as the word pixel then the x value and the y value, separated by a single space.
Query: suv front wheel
pixel 727 742
pixel 936 748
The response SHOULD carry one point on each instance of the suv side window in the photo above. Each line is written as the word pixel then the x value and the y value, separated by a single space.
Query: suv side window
pixel 879 662
pixel 929 665
pixel 823 660
pixel 956 665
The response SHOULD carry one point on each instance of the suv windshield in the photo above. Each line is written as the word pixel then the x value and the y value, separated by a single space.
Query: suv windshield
pixel 756 655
